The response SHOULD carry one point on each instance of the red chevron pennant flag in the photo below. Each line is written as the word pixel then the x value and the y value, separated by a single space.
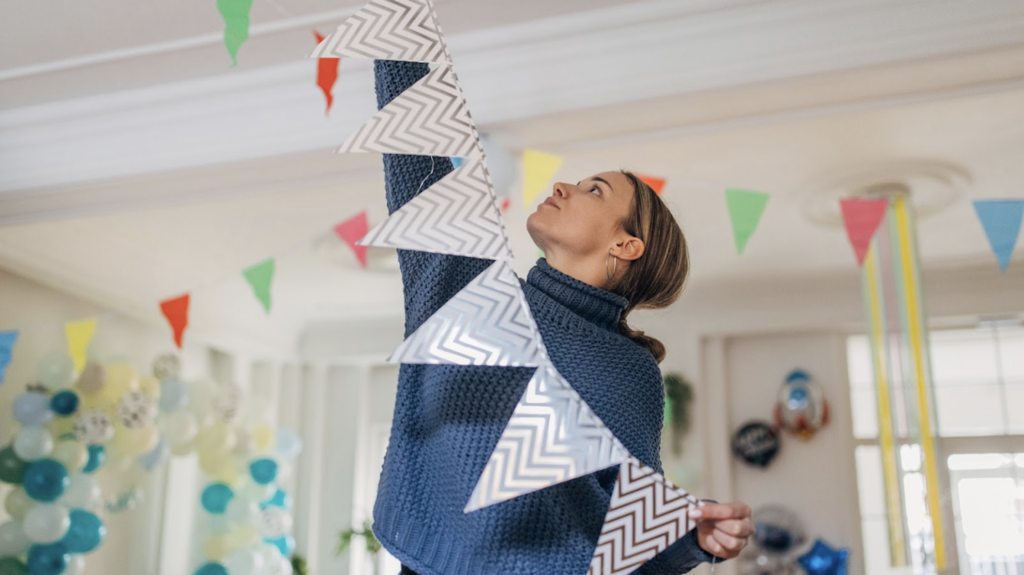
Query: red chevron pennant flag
pixel 351 231
pixel 176 312
pixel 656 184
pixel 388 30
pixel 326 74
pixel 646 515
pixel 862 218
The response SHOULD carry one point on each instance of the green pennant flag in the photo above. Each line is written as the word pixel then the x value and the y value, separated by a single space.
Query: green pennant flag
pixel 236 24
pixel 745 209
pixel 259 277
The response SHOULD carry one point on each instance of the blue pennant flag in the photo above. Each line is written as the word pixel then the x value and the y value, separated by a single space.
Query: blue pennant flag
pixel 1001 220
pixel 7 339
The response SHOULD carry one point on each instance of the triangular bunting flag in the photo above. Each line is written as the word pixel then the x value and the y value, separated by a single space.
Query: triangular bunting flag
pixel 7 339
pixel 176 312
pixel 656 184
pixel 387 30
pixel 79 334
pixel 457 216
pixel 538 169
pixel 351 231
pixel 646 515
pixel 326 75
pixel 487 323
pixel 236 24
pixel 1001 220
pixel 552 437
pixel 259 277
pixel 862 218
pixel 430 118
pixel 745 209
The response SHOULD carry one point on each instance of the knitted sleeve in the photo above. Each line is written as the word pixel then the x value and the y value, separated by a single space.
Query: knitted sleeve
pixel 429 280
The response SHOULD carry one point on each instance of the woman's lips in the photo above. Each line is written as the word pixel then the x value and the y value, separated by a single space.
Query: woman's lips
pixel 550 202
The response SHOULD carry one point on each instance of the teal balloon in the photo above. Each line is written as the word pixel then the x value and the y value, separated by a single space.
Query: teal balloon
pixel 64 403
pixel 86 532
pixel 97 456
pixel 11 566
pixel 263 471
pixel 212 569
pixel 215 498
pixel 12 467
pixel 278 499
pixel 286 544
pixel 45 480
pixel 49 559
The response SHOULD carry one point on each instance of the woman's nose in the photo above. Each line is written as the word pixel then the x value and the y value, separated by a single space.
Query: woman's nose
pixel 560 189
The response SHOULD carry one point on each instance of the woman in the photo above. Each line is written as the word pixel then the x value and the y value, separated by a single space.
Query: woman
pixel 611 247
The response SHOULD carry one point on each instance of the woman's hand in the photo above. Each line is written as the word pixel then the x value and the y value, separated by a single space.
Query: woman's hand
pixel 723 529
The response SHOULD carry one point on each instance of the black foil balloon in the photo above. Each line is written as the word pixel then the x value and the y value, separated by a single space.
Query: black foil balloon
pixel 756 443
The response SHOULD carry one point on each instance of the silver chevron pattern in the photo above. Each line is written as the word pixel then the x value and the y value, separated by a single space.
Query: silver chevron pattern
pixel 458 215
pixel 646 515
pixel 552 436
pixel 487 323
pixel 430 118
pixel 387 30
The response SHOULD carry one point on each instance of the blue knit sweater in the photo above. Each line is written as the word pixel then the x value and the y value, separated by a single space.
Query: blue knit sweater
pixel 448 418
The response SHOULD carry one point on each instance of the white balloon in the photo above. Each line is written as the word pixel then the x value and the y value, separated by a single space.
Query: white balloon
pixel 94 427
pixel 33 443
pixel 46 523
pixel 76 566
pixel 179 427
pixel 83 492
pixel 13 541
pixel 243 511
pixel 255 491
pixel 243 562
pixel 137 409
pixel 275 522
pixel 227 404
pixel 17 503
pixel 273 562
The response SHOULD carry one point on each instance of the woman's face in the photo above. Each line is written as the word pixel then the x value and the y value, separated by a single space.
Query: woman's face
pixel 583 220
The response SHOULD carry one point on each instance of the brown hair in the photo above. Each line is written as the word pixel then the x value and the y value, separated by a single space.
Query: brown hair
pixel 655 279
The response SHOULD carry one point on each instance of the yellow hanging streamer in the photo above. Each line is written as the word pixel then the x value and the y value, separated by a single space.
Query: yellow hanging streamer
pixel 79 335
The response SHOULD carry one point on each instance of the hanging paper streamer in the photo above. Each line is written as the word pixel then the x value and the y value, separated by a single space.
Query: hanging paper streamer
pixel 387 30
pixel 259 277
pixel 326 74
pixel 236 24
pixel 538 169
pixel 1001 220
pixel 552 437
pixel 456 216
pixel 7 339
pixel 456 162
pixel 745 209
pixel 656 184
pixel 176 312
pixel 487 323
pixel 646 515
pixel 351 231
pixel 430 118
pixel 79 334
pixel 862 218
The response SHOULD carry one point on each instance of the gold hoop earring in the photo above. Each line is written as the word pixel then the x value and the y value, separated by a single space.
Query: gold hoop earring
pixel 614 265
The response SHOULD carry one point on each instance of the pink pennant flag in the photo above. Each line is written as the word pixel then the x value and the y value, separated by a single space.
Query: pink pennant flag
pixel 351 231
pixel 862 218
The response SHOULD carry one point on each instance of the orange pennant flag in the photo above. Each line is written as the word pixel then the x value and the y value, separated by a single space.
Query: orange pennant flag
pixel 656 184
pixel 176 312
pixel 351 231
pixel 326 74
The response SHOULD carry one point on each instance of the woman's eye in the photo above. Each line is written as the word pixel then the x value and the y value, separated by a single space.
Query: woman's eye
pixel 595 189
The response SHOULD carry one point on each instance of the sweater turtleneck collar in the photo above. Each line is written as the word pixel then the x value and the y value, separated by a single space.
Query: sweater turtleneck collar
pixel 600 307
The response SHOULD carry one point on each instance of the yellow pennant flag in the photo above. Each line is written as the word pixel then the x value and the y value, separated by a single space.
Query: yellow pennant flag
pixel 538 169
pixel 79 335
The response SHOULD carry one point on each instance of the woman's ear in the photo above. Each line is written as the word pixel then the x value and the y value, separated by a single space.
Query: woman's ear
pixel 628 248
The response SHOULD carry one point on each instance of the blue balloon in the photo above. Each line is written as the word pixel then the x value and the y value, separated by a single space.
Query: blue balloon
pixel 64 403
pixel 49 559
pixel 97 455
pixel 212 569
pixel 173 394
pixel 284 544
pixel 263 471
pixel 278 499
pixel 824 560
pixel 85 533
pixel 32 408
pixel 216 497
pixel 45 480
pixel 289 444
pixel 149 461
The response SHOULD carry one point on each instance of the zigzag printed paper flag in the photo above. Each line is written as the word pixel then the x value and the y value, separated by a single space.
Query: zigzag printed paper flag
pixel 428 119
pixel 552 436
pixel 646 515
pixel 387 30
pixel 487 323
pixel 457 215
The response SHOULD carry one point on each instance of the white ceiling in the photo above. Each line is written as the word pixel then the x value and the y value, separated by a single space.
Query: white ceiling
pixel 110 197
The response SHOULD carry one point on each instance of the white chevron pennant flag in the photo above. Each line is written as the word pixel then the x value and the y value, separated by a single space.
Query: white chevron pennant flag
pixel 487 323
pixel 552 436
pixel 646 515
pixel 387 30
pixel 430 118
pixel 458 215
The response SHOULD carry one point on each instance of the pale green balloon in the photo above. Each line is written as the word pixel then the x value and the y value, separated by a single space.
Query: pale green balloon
pixel 56 370
pixel 17 503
